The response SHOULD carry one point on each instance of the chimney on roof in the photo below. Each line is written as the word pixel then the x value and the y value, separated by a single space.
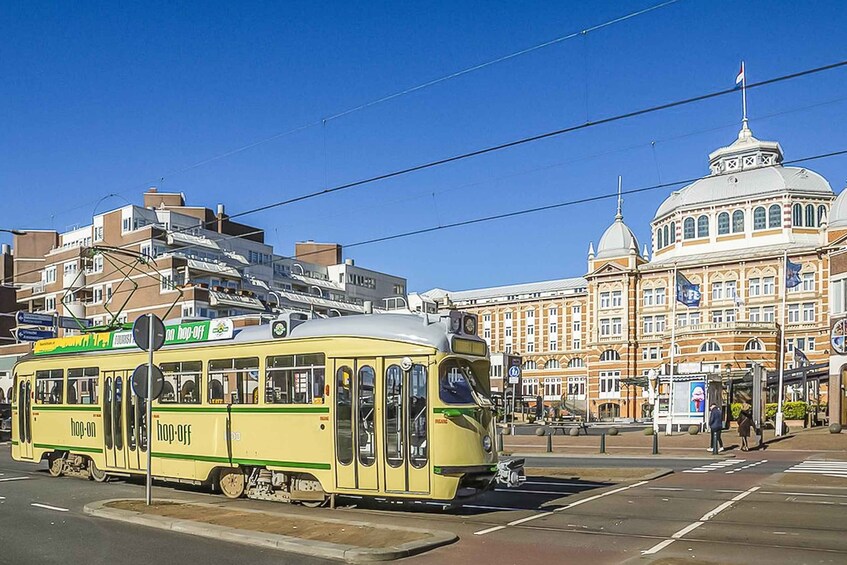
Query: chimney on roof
pixel 220 210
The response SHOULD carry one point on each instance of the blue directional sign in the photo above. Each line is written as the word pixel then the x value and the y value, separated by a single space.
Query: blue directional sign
pixel 34 335
pixel 69 323
pixel 35 319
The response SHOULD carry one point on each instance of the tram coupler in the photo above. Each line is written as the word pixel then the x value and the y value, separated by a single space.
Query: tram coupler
pixel 510 473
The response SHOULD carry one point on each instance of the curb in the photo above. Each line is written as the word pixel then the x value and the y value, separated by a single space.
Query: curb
pixel 544 455
pixel 329 550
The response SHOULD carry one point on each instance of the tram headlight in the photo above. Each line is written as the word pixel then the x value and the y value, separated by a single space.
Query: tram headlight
pixel 486 443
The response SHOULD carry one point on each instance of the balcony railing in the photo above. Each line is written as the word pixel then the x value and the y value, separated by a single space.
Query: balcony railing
pixel 717 327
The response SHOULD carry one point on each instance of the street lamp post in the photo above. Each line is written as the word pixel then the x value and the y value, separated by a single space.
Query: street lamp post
pixel 14 232
pixel 653 383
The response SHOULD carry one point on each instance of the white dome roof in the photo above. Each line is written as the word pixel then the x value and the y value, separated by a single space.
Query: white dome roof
pixel 838 211
pixel 746 169
pixel 617 240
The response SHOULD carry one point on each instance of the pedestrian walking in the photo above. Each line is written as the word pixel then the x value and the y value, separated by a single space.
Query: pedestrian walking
pixel 745 423
pixel 715 426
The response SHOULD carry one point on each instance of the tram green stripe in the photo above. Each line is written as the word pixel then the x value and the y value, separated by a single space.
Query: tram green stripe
pixel 14 442
pixel 215 459
pixel 466 411
pixel 245 409
pixel 68 448
pixel 79 408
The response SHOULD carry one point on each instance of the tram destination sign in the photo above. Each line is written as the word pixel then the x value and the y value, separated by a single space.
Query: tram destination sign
pixel 189 332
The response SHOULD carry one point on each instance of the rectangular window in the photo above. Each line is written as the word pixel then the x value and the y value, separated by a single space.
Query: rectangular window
pixel 694 319
pixel 295 379
pixel 810 344
pixel 809 312
pixel 97 295
pixel 50 275
pixel 576 388
pixel 605 326
pixel 617 297
pixel 508 331
pixel 508 315
pixel 610 384
pixel 755 288
pixel 616 326
pixel 50 303
pixel 605 300
pixel 82 385
pixel 808 282
pixel 577 326
pixel 576 343
pixel 553 329
pixel 647 297
pixel 554 345
pixel 49 387
pixel 793 313
pixel 648 324
pixel 768 314
pixel 182 382
pixel 530 347
pixel 234 381
pixel 486 333
pixel 576 310
pixel 530 332
pixel 660 324
pixel 754 314
pixel 729 289
pixel 717 291
pixel 730 315
pixel 768 286
pixel 660 296
pixel 717 316
pixel 552 314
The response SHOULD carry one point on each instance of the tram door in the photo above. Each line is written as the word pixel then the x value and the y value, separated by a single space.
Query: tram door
pixel 355 423
pixel 124 423
pixel 24 422
pixel 406 425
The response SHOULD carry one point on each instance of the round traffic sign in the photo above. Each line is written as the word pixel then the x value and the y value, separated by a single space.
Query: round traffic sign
pixel 139 381
pixel 515 371
pixel 141 332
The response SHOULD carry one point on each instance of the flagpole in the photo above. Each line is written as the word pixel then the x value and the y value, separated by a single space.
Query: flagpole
pixel 669 427
pixel 744 92
pixel 778 422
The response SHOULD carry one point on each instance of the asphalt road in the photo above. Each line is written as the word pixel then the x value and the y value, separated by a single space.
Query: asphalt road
pixel 710 510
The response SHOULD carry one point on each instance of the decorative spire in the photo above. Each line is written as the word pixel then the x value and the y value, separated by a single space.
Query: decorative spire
pixel 646 252
pixel 619 215
pixel 591 250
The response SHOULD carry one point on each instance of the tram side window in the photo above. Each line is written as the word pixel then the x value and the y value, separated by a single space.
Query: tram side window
pixel 458 383
pixel 82 385
pixel 234 381
pixel 295 379
pixel 49 386
pixel 182 382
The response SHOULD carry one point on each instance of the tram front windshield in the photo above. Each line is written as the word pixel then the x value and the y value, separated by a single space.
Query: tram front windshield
pixel 459 384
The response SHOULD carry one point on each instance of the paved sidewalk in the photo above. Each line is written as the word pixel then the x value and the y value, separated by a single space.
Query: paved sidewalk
pixel 680 444
pixel 346 540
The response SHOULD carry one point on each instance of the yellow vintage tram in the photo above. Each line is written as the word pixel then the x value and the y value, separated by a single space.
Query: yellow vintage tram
pixel 388 406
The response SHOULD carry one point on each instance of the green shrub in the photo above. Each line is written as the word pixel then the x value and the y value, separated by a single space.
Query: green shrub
pixel 790 410
pixel 648 431
pixel 735 408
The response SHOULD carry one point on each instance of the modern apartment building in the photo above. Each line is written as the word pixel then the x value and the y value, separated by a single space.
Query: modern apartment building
pixel 182 261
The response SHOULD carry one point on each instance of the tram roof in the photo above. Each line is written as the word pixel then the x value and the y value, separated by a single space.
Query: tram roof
pixel 424 329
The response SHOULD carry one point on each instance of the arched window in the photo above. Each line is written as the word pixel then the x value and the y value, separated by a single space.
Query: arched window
pixel 775 216
pixel 576 362
pixel 530 365
pixel 610 355
pixel 754 345
pixel 703 226
pixel 738 221
pixel 797 216
pixel 666 235
pixel 673 232
pixel 821 213
pixel 710 345
pixel 552 364
pixel 723 223
pixel 688 228
pixel 608 411
pixel 759 222
pixel 810 216
pixel 659 241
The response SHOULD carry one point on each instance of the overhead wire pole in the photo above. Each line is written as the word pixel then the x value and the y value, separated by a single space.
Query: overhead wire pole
pixel 779 415
pixel 674 285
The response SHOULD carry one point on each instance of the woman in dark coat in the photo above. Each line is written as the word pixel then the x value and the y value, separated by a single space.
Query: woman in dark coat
pixel 745 422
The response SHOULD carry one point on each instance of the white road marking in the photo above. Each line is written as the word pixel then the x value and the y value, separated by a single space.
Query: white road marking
pixel 550 483
pixel 715 466
pixel 482 507
pixel 563 508
pixel 530 491
pixel 694 525
pixel 803 494
pixel 748 466
pixel 14 479
pixel 48 507
pixel 836 469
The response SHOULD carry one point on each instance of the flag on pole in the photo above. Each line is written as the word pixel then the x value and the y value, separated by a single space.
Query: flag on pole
pixel 737 300
pixel 792 274
pixel 800 357
pixel 739 79
pixel 686 292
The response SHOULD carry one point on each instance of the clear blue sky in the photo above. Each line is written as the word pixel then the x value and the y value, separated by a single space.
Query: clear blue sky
pixel 100 98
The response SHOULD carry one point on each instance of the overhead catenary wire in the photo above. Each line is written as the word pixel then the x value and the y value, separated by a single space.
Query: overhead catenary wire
pixel 517 142
pixel 406 91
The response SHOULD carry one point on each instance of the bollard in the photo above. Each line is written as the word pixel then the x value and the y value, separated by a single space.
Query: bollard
pixel 500 441
pixel 655 444
pixel 714 443
pixel 603 442
pixel 549 443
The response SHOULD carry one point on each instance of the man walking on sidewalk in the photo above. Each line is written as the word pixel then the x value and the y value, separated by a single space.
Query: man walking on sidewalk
pixel 715 426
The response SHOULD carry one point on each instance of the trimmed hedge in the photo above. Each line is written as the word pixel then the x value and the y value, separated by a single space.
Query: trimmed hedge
pixel 790 410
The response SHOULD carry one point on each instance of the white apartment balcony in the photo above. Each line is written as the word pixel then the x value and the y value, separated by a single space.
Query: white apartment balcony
pixel 75 308
pixel 73 281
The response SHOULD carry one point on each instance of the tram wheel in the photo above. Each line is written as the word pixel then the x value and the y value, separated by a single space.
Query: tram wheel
pixel 95 473
pixel 231 482
pixel 313 503
pixel 55 464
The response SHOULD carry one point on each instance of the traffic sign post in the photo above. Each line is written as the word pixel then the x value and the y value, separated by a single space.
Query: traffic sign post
pixel 149 334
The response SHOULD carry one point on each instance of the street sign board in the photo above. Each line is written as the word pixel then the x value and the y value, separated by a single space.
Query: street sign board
pixel 514 374
pixel 141 332
pixel 139 381
pixel 34 319
pixel 514 369
pixel 25 334
pixel 69 323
